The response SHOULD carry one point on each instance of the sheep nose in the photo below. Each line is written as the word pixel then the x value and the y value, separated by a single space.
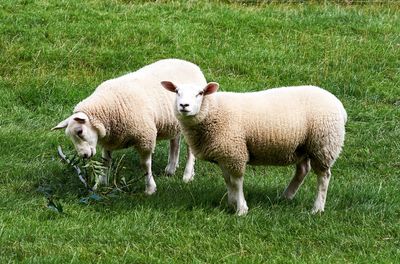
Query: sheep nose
pixel 85 156
pixel 184 105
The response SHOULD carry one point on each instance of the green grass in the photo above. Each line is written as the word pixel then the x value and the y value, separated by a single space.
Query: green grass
pixel 54 53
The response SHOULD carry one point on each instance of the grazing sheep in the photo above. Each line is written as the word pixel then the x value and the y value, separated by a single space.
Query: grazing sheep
pixel 133 110
pixel 294 125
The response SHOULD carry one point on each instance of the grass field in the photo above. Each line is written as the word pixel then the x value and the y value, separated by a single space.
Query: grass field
pixel 54 53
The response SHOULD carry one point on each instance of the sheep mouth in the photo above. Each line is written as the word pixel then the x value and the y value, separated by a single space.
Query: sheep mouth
pixel 88 156
pixel 184 111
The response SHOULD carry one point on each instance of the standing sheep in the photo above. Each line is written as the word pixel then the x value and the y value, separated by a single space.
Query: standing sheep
pixel 302 125
pixel 133 110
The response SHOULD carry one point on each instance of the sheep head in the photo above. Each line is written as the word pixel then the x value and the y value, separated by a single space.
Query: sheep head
pixel 189 97
pixel 83 134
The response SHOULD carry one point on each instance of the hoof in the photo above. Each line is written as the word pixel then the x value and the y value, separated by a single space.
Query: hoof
pixel 170 170
pixel 188 177
pixel 150 190
pixel 317 210
pixel 242 211
pixel 288 195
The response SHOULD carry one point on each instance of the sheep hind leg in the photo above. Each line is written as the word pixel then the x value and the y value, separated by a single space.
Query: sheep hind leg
pixel 229 187
pixel 145 161
pixel 323 178
pixel 173 157
pixel 302 169
pixel 188 175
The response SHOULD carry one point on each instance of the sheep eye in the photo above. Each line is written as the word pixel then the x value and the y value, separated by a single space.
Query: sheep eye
pixel 201 93
pixel 79 133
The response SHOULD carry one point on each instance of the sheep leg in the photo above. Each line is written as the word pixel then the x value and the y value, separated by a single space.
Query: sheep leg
pixel 145 161
pixel 234 184
pixel 302 168
pixel 106 156
pixel 173 157
pixel 188 175
pixel 237 187
pixel 323 178
pixel 231 195
pixel 102 179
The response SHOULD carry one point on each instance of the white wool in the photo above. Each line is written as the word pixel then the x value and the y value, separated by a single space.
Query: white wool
pixel 292 125
pixel 134 110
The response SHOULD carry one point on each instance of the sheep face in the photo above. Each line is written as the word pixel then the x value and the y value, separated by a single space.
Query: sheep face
pixel 189 97
pixel 83 135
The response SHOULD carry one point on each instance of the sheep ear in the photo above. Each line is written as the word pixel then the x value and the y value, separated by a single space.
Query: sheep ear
pixel 211 87
pixel 80 120
pixel 61 125
pixel 169 86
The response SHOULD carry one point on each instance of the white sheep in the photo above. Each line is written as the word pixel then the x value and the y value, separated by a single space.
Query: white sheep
pixel 133 110
pixel 302 125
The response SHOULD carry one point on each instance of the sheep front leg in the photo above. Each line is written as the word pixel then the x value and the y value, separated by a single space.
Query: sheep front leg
pixel 237 187
pixel 188 175
pixel 173 157
pixel 302 168
pixel 234 184
pixel 102 179
pixel 106 156
pixel 145 161
pixel 323 184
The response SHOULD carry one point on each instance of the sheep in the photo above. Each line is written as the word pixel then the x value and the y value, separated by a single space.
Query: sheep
pixel 133 110
pixel 302 125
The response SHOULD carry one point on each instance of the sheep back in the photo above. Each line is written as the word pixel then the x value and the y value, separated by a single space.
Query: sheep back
pixel 134 109
pixel 272 127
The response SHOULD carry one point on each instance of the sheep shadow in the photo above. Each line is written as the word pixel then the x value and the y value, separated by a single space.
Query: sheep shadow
pixel 207 192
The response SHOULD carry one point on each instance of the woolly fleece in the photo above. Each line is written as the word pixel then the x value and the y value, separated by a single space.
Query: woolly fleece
pixel 273 127
pixel 294 125
pixel 134 110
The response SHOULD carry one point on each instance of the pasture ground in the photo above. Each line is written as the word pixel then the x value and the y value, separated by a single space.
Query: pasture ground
pixel 54 53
